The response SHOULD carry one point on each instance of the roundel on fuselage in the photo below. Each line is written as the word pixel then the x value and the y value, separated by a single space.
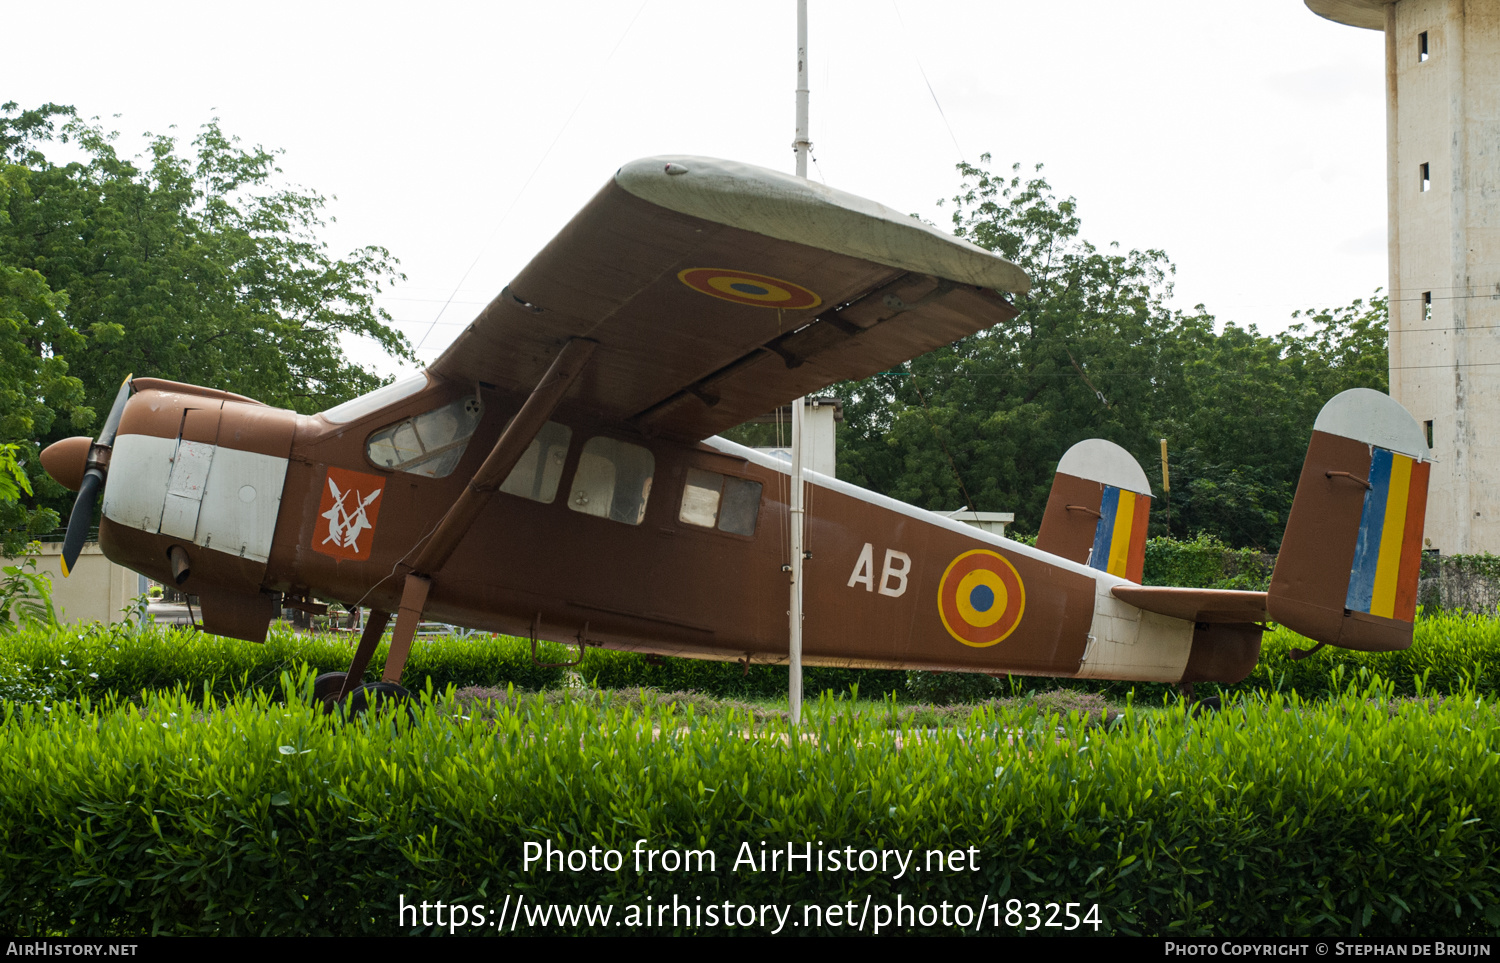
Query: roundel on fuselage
pixel 981 598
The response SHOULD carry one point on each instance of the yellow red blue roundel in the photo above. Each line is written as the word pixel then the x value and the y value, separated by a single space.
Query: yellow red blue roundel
pixel 742 287
pixel 981 598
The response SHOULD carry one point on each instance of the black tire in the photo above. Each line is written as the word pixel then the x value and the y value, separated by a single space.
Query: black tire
pixel 327 686
pixel 379 696
pixel 1207 705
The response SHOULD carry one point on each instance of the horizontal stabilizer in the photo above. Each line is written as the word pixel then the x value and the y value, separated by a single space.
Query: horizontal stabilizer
pixel 1098 509
pixel 1348 566
pixel 1194 604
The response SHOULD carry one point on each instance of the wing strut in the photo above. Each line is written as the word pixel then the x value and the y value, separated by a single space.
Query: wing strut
pixel 539 407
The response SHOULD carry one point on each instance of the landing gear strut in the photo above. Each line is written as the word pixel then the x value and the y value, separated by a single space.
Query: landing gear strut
pixel 348 690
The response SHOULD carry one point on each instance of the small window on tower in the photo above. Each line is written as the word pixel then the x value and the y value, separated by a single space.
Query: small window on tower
pixel 1422 47
pixel 1426 305
pixel 1427 428
pixel 1426 177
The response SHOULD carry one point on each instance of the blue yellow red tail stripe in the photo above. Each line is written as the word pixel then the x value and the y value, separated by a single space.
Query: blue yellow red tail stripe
pixel 1120 537
pixel 1388 551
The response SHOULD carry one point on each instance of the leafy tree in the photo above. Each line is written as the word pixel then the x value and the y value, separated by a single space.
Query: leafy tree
pixel 25 594
pixel 1238 447
pixel 984 422
pixel 187 264
pixel 1095 352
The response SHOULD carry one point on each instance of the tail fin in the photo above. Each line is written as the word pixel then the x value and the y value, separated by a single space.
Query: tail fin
pixel 1347 571
pixel 1098 509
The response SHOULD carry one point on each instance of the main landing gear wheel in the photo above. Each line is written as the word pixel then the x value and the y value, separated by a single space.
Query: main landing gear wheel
pixel 326 688
pixel 379 696
pixel 1197 707
pixel 1206 705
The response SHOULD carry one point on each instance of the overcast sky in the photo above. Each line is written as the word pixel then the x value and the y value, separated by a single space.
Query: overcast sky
pixel 1245 140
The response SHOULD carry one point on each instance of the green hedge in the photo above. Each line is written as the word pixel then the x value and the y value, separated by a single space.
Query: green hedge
pixel 1367 816
pixel 1451 651
pixel 1206 562
pixel 621 670
pixel 97 660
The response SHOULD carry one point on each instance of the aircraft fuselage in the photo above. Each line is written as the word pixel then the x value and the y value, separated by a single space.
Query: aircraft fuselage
pixel 641 543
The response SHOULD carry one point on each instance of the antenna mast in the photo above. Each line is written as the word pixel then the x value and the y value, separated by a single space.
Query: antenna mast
pixel 802 145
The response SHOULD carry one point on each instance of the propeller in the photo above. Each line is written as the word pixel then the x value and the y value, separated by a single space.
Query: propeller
pixel 93 480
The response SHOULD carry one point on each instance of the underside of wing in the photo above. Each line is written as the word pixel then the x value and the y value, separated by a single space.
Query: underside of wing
pixel 719 291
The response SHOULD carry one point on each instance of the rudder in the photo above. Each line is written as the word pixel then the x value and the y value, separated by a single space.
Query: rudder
pixel 1098 510
pixel 1349 561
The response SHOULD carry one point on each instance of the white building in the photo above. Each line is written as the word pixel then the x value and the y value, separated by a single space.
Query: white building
pixel 1442 66
pixel 98 590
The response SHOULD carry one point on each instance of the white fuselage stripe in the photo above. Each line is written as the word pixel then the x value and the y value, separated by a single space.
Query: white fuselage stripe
pixel 237 498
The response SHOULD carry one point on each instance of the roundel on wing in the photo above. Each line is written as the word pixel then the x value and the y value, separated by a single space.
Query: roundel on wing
pixel 742 287
pixel 981 598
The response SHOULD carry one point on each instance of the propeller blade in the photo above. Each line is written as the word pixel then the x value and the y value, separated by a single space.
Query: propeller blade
pixel 78 522
pixel 112 423
pixel 93 480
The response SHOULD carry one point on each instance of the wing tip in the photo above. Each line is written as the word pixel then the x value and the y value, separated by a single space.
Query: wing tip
pixel 791 208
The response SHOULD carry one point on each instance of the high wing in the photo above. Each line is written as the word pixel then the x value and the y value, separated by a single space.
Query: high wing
pixel 719 291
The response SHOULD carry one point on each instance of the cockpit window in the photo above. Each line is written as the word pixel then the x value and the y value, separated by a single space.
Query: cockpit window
pixel 428 444
pixel 368 404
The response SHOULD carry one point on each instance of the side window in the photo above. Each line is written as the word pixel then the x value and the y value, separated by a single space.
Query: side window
pixel 537 473
pixel 712 500
pixel 428 444
pixel 613 480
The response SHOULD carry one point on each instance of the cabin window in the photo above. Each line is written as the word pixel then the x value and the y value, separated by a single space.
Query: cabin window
pixel 712 500
pixel 1422 47
pixel 428 444
pixel 613 480
pixel 538 472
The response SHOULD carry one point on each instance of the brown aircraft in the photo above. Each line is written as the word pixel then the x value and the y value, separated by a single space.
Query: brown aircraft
pixel 555 473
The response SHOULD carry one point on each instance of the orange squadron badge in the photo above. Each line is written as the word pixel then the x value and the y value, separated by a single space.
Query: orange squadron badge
pixel 347 514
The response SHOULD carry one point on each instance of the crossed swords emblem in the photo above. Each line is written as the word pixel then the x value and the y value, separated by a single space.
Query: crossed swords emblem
pixel 345 526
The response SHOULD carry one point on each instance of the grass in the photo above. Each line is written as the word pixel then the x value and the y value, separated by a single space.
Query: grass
pixel 1276 816
pixel 887 712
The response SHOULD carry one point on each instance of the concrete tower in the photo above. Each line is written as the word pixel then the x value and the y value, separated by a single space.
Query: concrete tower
pixel 1442 69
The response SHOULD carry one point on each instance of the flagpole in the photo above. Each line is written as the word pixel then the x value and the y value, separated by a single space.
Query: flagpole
pixel 797 509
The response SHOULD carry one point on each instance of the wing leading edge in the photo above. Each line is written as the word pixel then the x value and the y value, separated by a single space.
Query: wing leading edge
pixel 718 291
